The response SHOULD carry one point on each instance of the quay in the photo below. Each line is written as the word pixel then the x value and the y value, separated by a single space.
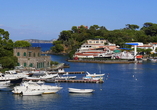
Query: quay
pixel 104 61
pixel 71 72
pixel 80 81
pixel 33 79
pixel 67 81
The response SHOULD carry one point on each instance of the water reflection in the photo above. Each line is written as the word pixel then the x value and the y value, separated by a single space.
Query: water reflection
pixel 80 94
pixel 44 97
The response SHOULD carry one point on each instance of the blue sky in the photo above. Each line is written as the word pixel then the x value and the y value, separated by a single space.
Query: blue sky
pixel 45 19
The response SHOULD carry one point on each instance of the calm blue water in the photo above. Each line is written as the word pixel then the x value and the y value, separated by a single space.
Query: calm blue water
pixel 44 46
pixel 120 91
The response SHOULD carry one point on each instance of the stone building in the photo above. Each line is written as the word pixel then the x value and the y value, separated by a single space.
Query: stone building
pixel 31 57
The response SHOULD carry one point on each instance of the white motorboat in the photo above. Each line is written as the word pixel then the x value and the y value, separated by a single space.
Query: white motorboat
pixel 14 74
pixel 93 76
pixel 5 86
pixel 74 90
pixel 46 89
pixel 65 77
pixel 46 76
pixel 31 92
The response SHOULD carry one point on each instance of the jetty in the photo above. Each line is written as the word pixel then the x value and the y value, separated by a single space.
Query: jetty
pixel 104 61
pixel 70 72
pixel 66 81
pixel 80 81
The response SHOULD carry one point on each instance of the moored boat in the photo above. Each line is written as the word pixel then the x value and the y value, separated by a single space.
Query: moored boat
pixel 46 89
pixel 75 90
pixel 93 76
pixel 31 92
pixel 5 86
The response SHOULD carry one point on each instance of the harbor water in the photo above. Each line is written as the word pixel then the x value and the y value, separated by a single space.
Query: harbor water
pixel 126 87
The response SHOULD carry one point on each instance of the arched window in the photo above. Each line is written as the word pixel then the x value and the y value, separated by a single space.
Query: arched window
pixel 24 54
pixel 18 53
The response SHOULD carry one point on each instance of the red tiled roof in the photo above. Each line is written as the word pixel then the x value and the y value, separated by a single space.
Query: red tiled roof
pixel 154 43
pixel 145 46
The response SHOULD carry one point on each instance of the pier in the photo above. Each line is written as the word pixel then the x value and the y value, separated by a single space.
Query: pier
pixel 104 61
pixel 80 81
pixel 71 72
pixel 66 81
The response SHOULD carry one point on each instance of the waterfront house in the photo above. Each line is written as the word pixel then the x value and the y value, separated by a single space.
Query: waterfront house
pixel 30 57
pixel 95 48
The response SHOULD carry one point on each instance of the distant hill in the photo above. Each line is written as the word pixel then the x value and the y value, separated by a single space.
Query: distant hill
pixel 39 41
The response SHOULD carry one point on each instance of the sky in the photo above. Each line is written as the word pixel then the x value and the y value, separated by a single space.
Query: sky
pixel 45 19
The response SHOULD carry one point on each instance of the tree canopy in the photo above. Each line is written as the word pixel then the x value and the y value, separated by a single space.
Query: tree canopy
pixel 22 44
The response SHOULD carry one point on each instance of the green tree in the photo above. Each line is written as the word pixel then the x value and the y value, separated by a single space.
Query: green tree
pixel 8 62
pixel 22 44
pixel 74 29
pixel 132 26
pixel 65 35
pixel 150 29
pixel 57 48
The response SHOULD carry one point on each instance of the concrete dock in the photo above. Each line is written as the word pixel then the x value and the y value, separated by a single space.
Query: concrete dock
pixel 80 81
pixel 104 61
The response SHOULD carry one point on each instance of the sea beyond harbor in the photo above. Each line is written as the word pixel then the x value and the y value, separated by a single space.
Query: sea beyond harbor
pixel 126 87
pixel 44 46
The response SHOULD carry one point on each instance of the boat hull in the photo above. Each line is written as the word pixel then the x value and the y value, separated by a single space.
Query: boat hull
pixel 30 93
pixel 73 90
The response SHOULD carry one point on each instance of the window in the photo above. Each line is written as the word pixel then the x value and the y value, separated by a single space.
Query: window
pixel 24 54
pixel 18 53
pixel 29 54
pixel 97 41
pixel 34 54
pixel 38 54
pixel 25 64
pixel 18 64
pixel 31 65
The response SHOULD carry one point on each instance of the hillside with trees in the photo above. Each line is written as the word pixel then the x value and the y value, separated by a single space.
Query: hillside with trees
pixel 70 40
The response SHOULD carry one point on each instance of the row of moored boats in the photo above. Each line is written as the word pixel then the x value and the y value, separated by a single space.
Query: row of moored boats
pixel 35 85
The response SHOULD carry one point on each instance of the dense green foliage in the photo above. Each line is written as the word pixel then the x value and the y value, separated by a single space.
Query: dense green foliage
pixel 22 44
pixel 6 50
pixel 7 59
pixel 70 40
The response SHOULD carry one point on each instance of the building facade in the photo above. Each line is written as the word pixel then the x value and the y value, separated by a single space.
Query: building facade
pixel 31 57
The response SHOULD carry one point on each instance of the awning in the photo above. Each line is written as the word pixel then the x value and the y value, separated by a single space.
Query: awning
pixel 131 43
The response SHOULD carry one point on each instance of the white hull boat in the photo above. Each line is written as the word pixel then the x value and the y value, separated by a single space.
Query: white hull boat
pixel 94 76
pixel 31 92
pixel 46 76
pixel 46 89
pixel 74 90
pixel 4 86
pixel 65 77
